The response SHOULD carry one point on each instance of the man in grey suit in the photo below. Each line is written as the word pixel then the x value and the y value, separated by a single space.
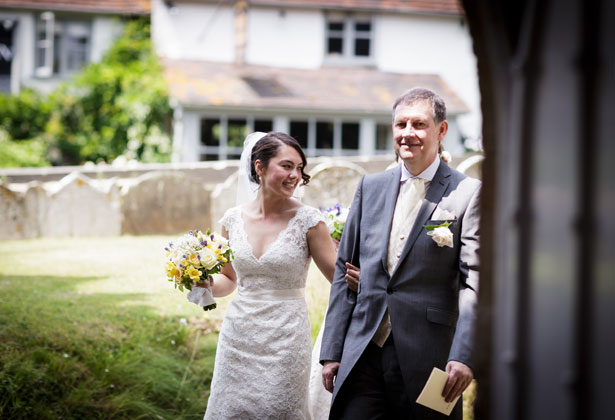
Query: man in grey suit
pixel 414 233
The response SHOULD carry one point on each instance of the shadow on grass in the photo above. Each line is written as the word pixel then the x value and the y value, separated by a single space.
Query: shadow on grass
pixel 71 355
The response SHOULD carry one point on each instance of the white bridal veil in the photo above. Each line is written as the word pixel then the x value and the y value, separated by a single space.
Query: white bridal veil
pixel 247 189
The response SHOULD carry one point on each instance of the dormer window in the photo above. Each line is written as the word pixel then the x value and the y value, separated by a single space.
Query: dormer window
pixel 349 39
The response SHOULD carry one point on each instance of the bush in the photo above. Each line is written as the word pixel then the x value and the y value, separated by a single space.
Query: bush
pixel 24 116
pixel 118 106
pixel 15 154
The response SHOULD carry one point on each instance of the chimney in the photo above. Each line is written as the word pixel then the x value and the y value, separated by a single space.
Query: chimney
pixel 241 17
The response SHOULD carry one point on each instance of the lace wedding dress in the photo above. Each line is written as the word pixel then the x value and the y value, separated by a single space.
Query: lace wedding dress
pixel 262 366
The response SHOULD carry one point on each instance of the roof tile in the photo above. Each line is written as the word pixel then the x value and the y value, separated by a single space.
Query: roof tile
pixel 122 7
pixel 203 84
pixel 418 6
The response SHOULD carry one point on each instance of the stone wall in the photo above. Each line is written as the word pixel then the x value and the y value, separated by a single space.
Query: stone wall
pixel 154 199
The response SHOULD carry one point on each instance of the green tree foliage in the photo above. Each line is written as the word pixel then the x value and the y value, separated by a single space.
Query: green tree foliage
pixel 23 116
pixel 15 154
pixel 118 106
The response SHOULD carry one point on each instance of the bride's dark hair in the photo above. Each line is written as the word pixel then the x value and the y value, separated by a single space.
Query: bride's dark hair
pixel 268 146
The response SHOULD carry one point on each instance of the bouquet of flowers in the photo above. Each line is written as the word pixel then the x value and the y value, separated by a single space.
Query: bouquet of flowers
pixel 192 258
pixel 335 218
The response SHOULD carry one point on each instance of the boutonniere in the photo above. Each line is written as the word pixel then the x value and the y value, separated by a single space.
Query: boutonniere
pixel 441 234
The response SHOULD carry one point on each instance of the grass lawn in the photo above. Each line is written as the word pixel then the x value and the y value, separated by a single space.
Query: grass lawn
pixel 91 329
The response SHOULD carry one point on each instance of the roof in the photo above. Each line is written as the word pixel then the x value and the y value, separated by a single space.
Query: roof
pixel 120 7
pixel 452 7
pixel 203 84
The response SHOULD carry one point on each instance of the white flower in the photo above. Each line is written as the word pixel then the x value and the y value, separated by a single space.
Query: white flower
pixel 330 226
pixel 343 215
pixel 442 236
pixel 446 156
pixel 208 258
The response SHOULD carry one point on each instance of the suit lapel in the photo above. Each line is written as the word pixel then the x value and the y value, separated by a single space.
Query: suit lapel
pixel 392 190
pixel 437 187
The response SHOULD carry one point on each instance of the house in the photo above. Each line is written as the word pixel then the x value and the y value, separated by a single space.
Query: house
pixel 43 42
pixel 325 71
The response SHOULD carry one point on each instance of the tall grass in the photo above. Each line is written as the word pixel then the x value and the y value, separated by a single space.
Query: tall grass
pixel 90 328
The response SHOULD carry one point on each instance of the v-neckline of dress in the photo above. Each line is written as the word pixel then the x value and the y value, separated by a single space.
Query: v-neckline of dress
pixel 268 246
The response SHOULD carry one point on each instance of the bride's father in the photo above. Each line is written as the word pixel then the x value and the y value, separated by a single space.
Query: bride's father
pixel 413 231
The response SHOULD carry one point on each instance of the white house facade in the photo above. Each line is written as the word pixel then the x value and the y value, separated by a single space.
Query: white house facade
pixel 43 42
pixel 327 72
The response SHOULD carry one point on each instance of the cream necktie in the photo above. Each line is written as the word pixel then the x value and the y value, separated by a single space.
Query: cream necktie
pixel 409 201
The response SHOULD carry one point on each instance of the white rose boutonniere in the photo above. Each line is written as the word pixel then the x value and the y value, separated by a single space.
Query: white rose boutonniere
pixel 442 236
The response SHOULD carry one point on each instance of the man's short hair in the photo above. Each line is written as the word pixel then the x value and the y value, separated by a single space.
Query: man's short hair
pixel 414 95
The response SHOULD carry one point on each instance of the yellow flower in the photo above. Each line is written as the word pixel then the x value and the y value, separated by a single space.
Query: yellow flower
pixel 193 273
pixel 194 259
pixel 172 271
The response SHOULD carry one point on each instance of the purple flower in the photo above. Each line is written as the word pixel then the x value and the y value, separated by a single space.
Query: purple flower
pixel 220 246
pixel 204 243
pixel 337 207
pixel 211 237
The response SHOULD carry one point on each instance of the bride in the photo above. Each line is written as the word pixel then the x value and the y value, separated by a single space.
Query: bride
pixel 262 366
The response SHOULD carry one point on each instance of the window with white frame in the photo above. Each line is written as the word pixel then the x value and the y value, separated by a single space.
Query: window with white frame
pixel 326 137
pixel 349 38
pixel 62 45
pixel 222 137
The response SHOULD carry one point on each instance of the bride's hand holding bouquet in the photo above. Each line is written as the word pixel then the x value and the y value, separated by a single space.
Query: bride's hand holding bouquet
pixel 191 261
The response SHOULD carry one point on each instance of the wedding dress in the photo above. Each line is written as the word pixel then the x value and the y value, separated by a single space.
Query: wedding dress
pixel 320 398
pixel 262 366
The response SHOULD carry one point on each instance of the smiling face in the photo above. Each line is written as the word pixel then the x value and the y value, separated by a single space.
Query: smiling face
pixel 416 135
pixel 283 172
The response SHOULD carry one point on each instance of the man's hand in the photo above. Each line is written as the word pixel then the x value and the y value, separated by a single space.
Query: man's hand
pixel 329 372
pixel 352 277
pixel 459 377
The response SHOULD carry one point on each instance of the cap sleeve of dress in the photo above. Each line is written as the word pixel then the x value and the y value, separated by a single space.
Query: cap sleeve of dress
pixel 310 217
pixel 229 218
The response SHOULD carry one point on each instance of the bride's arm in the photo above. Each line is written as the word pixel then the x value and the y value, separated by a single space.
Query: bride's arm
pixel 322 249
pixel 325 256
pixel 226 280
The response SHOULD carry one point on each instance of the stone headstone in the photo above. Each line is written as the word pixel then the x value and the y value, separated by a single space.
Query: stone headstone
pixel 332 182
pixel 165 203
pixel 21 212
pixel 223 197
pixel 78 206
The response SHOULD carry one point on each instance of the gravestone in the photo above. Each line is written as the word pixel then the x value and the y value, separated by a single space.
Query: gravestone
pixel 79 206
pixel 332 182
pixel 165 203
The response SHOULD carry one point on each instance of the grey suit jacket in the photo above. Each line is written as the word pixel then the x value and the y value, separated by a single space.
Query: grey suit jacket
pixel 432 293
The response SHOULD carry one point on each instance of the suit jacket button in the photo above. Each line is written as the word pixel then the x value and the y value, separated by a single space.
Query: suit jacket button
pixel 389 290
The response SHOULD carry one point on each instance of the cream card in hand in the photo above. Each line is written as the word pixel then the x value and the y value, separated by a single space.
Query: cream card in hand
pixel 431 395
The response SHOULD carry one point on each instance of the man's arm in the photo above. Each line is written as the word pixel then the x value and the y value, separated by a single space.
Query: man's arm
pixel 459 366
pixel 342 299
